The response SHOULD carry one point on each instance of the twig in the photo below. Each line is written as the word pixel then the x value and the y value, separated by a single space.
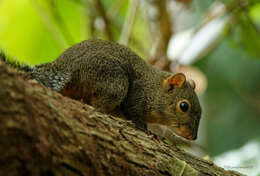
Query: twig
pixel 165 32
pixel 165 26
pixel 90 13
pixel 102 12
pixel 128 24
pixel 113 11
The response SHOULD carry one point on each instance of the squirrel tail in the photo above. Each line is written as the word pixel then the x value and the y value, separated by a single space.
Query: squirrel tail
pixel 14 63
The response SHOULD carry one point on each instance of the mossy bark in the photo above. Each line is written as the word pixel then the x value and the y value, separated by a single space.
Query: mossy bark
pixel 43 133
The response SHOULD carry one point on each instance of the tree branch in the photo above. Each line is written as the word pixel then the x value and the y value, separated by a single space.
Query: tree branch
pixel 44 133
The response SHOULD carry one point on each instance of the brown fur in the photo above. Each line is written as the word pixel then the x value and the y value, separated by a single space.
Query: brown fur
pixel 112 78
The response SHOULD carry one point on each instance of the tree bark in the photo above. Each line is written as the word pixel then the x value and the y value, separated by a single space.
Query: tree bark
pixel 44 133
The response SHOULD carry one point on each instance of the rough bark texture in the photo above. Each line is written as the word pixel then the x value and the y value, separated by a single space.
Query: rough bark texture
pixel 43 133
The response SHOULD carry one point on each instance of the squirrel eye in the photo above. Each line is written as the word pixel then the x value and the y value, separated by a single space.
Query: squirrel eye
pixel 183 106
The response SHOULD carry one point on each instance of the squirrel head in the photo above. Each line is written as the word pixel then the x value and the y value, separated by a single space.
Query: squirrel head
pixel 181 111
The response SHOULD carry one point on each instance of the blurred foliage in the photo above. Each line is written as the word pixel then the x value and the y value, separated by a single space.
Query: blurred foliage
pixel 248 38
pixel 232 98
pixel 24 34
pixel 255 13
pixel 37 31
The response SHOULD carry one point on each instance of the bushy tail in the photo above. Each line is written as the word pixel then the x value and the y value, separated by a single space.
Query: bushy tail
pixel 14 63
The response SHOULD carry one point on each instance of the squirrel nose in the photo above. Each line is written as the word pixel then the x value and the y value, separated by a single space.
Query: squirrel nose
pixel 193 136
pixel 188 132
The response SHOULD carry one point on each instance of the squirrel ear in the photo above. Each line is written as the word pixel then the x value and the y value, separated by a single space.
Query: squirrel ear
pixel 177 80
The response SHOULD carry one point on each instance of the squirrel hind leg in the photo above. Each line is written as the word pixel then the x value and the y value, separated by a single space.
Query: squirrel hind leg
pixel 107 99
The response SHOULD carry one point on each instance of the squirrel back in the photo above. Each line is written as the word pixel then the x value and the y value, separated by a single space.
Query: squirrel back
pixel 110 76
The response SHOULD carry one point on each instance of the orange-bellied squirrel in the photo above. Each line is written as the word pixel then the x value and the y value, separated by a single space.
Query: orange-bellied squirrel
pixel 110 76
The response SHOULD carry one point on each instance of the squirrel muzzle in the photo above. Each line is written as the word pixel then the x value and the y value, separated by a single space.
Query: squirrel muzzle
pixel 185 131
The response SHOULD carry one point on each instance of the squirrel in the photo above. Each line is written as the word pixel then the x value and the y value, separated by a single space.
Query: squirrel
pixel 110 76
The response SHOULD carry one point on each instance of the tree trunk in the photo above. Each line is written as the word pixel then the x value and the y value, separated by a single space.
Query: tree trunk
pixel 43 133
